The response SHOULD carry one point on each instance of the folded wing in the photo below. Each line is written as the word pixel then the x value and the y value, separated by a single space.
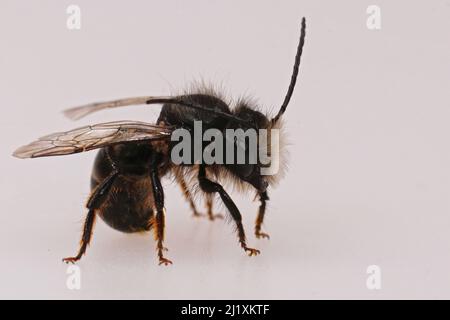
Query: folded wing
pixel 92 137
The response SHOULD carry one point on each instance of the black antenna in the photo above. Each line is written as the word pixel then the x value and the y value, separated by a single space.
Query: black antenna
pixel 294 73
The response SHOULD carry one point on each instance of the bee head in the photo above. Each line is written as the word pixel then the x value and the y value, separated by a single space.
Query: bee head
pixel 251 169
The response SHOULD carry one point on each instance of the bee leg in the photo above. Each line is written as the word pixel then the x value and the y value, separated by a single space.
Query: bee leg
pixel 159 221
pixel 263 197
pixel 209 186
pixel 209 208
pixel 187 194
pixel 96 199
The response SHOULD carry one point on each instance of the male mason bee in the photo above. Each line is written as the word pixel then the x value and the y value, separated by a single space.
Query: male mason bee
pixel 126 190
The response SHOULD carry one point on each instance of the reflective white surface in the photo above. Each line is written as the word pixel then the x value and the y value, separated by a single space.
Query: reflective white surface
pixel 369 175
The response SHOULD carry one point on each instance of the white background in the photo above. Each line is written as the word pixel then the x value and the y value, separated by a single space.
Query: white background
pixel 369 177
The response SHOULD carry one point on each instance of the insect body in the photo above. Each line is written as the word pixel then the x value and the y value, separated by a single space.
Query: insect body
pixel 126 190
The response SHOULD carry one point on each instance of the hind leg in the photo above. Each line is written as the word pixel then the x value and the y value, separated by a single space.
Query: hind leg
pixel 159 219
pixel 96 199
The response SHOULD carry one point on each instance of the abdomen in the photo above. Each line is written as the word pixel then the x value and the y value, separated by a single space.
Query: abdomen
pixel 129 204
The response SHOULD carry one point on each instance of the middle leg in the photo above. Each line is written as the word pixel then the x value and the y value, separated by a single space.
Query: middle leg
pixel 209 208
pixel 187 194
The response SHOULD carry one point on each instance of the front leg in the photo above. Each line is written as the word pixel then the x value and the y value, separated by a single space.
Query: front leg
pixel 159 220
pixel 209 186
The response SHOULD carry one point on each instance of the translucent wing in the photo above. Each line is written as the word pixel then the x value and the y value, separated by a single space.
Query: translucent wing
pixel 76 113
pixel 92 137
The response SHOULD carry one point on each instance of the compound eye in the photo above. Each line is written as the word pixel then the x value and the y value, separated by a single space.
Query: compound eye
pixel 245 170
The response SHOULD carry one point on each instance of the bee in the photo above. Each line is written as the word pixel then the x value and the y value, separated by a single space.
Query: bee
pixel 133 156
